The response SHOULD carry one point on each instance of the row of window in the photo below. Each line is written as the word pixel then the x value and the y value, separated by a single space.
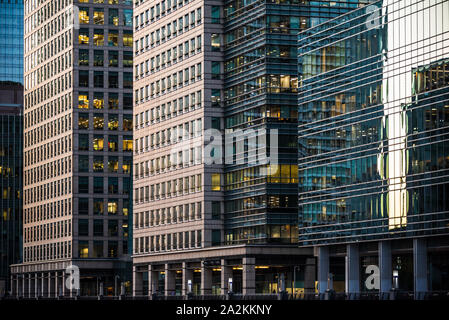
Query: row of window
pixel 44 152
pixel 96 185
pixel 98 79
pixel 169 110
pixel 166 58
pixel 165 85
pixel 168 242
pixel 158 10
pixel 51 251
pixel 97 37
pixel 112 205
pixel 48 170
pixel 48 231
pixel 98 100
pixel 98 14
pixel 49 69
pixel 98 164
pixel 176 214
pixel 176 187
pixel 49 190
pixel 96 121
pixel 98 143
pixel 48 90
pixel 54 209
pixel 46 111
pixel 169 162
pixel 95 249
pixel 98 58
pixel 113 228
pixel 176 27
pixel 47 130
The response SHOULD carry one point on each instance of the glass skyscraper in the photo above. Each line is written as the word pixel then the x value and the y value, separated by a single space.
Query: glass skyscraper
pixel 373 126
pixel 11 41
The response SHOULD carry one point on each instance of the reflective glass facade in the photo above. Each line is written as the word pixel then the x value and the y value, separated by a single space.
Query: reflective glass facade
pixel 11 40
pixel 260 95
pixel 373 124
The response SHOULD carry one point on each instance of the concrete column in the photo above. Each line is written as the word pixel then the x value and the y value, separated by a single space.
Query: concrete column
pixel 30 286
pixel 352 269
pixel 153 277
pixel 187 274
pixel 226 273
pixel 323 268
pixel 206 279
pixel 420 268
pixel 63 283
pixel 249 275
pixel 170 278
pixel 36 286
pixel 24 286
pixel 20 283
pixel 13 286
pixel 385 267
pixel 44 285
pixel 310 276
pixel 137 282
pixel 49 288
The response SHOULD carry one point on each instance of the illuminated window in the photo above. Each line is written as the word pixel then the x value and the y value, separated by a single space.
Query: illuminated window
pixel 113 17
pixel 112 206
pixel 83 121
pixel 98 1
pixel 83 249
pixel 98 142
pixel 98 207
pixel 83 36
pixel 215 42
pixel 113 58
pixel 98 121
pixel 98 37
pixel 112 121
pixel 113 1
pixel 98 164
pixel 83 100
pixel 112 164
pixel 113 38
pixel 216 182
pixel 84 15
pixel 127 163
pixel 113 143
pixel 127 38
pixel 127 143
pixel 98 100
pixel 98 16
pixel 127 59
pixel 127 122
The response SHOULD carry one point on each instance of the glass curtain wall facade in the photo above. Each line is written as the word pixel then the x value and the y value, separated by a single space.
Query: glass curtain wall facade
pixel 373 124
pixel 260 98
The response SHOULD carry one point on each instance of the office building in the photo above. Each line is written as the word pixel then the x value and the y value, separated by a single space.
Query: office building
pixel 215 199
pixel 77 147
pixel 373 151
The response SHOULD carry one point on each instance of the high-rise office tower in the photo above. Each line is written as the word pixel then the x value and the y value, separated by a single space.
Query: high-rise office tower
pixel 215 174
pixel 11 136
pixel 373 161
pixel 77 146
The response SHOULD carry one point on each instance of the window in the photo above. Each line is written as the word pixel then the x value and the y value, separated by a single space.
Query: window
pixel 83 78
pixel 98 164
pixel 98 16
pixel 83 142
pixel 98 245
pixel 98 207
pixel 127 100
pixel 127 38
pixel 113 79
pixel 98 121
pixel 113 17
pixel 215 97
pixel 216 237
pixel 113 101
pixel 127 80
pixel 112 164
pixel 112 228
pixel 216 182
pixel 99 37
pixel 83 249
pixel 98 142
pixel 83 36
pixel 113 143
pixel 98 227
pixel 83 184
pixel 98 185
pixel 127 163
pixel 216 210
pixel 215 42
pixel 83 121
pixel 127 143
pixel 113 184
pixel 84 15
pixel 83 206
pixel 112 245
pixel 98 100
pixel 113 58
pixel 98 58
pixel 215 70
pixel 113 121
pixel 113 38
pixel 98 79
pixel 127 59
pixel 128 17
pixel 83 59
pixel 112 206
pixel 215 14
pixel 127 122
pixel 83 163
